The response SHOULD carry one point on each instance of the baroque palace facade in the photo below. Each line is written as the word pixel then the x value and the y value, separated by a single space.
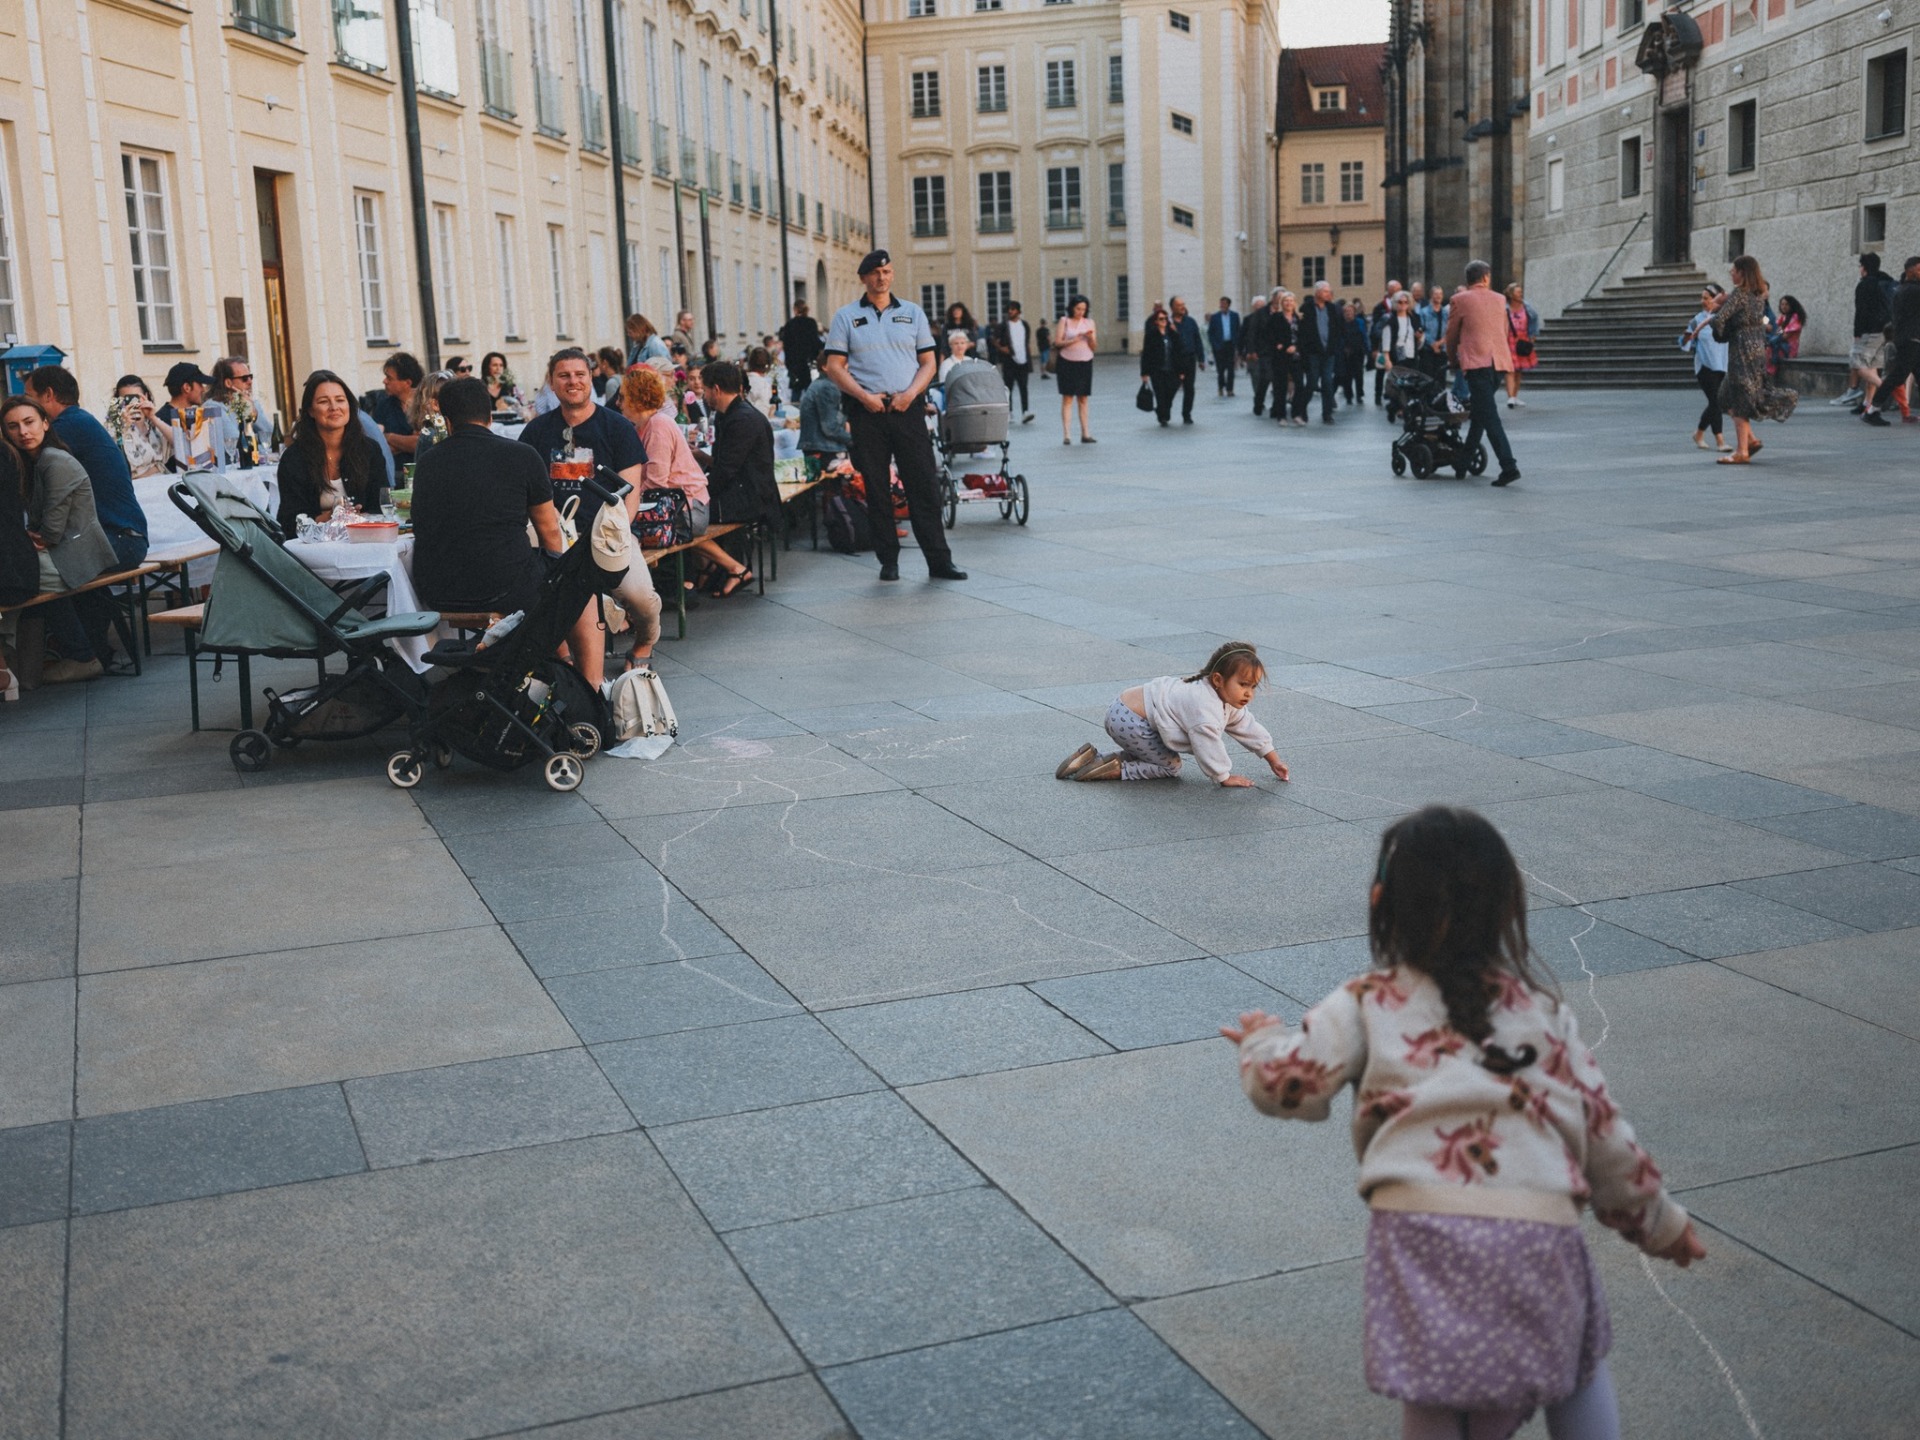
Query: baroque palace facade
pixel 183 179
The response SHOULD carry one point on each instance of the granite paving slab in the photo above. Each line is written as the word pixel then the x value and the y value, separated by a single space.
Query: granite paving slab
pixel 1102 1152
pixel 1308 973
pixel 1374 779
pixel 792 1409
pixel 1162 1004
pixel 1867 976
pixel 917 1272
pixel 1767 737
pixel 1866 897
pixel 425 1285
pixel 1866 832
pixel 801 1160
pixel 455 1110
pixel 967 1033
pixel 38 938
pixel 1739 796
pixel 334 1012
pixel 636 1000
pixel 1896 704
pixel 1715 921
pixel 212 1147
pixel 1092 1377
pixel 36 1052
pixel 696 1074
pixel 1576 944
pixel 42 843
pixel 663 926
pixel 34 1173
pixel 1771 668
pixel 711 774
pixel 32 1286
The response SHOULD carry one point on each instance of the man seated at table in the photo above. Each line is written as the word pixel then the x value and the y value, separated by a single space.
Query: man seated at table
pixel 740 483
pixel 473 495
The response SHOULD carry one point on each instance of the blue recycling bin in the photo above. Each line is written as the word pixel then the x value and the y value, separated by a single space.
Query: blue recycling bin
pixel 22 360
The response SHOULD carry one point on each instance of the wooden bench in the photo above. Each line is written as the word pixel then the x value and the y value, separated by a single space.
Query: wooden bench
pixel 125 617
pixel 170 564
pixel 679 556
pixel 188 619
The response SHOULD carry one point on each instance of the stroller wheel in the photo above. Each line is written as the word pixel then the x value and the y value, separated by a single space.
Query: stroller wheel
pixel 442 756
pixel 564 771
pixel 1019 501
pixel 586 739
pixel 1399 462
pixel 950 497
pixel 1477 462
pixel 1419 459
pixel 250 751
pixel 404 769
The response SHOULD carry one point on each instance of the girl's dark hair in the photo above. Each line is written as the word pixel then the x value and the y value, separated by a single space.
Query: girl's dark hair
pixel 965 322
pixel 486 363
pixel 759 359
pixel 362 472
pixel 1452 906
pixel 1236 657
pixel 126 380
pixel 1791 306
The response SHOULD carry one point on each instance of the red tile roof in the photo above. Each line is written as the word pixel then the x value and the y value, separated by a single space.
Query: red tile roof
pixel 1357 67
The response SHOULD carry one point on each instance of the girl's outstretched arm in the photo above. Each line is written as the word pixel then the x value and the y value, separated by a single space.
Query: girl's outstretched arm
pixel 1294 1074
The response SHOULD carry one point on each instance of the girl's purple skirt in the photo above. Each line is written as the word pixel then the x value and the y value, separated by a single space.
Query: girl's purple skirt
pixel 1477 1314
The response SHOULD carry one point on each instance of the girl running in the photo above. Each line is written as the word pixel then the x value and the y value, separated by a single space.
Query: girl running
pixel 1153 724
pixel 1482 1125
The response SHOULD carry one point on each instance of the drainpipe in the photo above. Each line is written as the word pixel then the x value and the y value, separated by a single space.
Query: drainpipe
pixel 417 181
pixel 619 161
pixel 780 161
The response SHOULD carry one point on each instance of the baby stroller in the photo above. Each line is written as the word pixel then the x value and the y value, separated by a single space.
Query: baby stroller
pixel 265 602
pixel 1430 420
pixel 974 425
pixel 510 702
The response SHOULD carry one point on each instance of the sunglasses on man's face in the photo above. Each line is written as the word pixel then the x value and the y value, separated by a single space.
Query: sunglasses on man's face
pixel 463 369
pixel 246 379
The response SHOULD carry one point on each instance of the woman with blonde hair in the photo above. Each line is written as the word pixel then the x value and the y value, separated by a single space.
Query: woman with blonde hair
pixel 1748 393
pixel 423 412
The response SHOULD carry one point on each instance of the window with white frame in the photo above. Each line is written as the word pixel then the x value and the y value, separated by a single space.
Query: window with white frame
pixel 496 59
pixel 9 286
pixel 1062 94
pixel 1333 99
pixel 373 280
pixel 1065 288
pixel 436 65
pixel 1063 197
pixel 926 94
pixel 1353 181
pixel 983 5
pixel 991 83
pixel 1183 217
pixel 1116 81
pixel 929 205
pixel 1313 183
pixel 447 272
pixel 557 277
pixel 150 237
pixel 920 9
pixel 996 201
pixel 1353 271
pixel 360 33
pixel 933 300
pixel 1556 185
pixel 1116 193
pixel 507 258
pixel 999 297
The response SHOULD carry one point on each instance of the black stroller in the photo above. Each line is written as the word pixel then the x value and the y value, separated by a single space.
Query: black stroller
pixel 973 426
pixel 265 602
pixel 1430 420
pixel 511 702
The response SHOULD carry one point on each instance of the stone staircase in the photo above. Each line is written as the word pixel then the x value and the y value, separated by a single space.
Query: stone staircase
pixel 1623 338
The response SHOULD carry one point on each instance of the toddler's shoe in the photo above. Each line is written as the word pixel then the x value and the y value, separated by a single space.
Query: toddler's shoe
pixel 1105 768
pixel 1075 761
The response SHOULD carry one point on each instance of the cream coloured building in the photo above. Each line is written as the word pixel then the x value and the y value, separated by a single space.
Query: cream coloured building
pixel 1332 210
pixel 1031 149
pixel 181 179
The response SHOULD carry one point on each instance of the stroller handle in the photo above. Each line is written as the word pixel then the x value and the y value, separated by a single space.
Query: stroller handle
pixel 609 491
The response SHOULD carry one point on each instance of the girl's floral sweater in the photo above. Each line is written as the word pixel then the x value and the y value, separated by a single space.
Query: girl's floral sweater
pixel 1428 1114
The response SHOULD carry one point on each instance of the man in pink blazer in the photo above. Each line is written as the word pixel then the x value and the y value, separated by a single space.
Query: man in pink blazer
pixel 1477 343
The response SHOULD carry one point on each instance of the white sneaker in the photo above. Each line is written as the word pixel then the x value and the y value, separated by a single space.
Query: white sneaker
pixel 1852 397
pixel 1517 401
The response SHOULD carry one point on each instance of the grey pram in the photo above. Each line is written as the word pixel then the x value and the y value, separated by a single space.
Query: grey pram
pixel 974 427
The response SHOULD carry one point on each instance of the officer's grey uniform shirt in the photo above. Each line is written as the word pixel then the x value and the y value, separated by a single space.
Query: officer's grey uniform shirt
pixel 882 347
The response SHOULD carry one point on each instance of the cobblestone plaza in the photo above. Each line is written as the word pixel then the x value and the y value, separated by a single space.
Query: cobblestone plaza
pixel 844 1073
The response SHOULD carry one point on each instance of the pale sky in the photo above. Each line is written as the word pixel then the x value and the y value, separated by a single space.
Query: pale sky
pixel 1331 22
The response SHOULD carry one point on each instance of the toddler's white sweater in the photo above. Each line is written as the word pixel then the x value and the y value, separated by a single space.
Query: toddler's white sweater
pixel 1192 719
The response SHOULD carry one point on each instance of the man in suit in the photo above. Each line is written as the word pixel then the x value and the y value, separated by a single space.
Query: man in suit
pixel 1223 338
pixel 1188 354
pixel 1253 345
pixel 799 347
pixel 1476 340
pixel 1010 346
pixel 1321 323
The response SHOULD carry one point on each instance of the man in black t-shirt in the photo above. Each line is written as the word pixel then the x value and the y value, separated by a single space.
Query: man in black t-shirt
pixel 473 495
pixel 557 437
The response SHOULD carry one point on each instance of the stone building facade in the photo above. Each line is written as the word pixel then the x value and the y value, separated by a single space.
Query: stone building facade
pixel 1456 78
pixel 181 179
pixel 1029 150
pixel 1781 128
pixel 1332 207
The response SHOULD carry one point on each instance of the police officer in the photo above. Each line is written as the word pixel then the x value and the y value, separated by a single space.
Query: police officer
pixel 879 351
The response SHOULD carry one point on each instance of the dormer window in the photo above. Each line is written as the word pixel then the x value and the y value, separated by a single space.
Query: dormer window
pixel 1334 98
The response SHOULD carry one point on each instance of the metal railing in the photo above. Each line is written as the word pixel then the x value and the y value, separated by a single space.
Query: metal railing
pixel 629 136
pixel 713 172
pixel 593 118
pixel 496 80
pixel 923 229
pixel 1644 215
pixel 753 192
pixel 662 151
pixel 270 18
pixel 996 225
pixel 689 161
pixel 1064 220
pixel 548 112
pixel 735 186
pixel 1117 217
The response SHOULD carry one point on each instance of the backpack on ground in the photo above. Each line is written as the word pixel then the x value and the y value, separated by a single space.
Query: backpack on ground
pixel 846 517
pixel 641 709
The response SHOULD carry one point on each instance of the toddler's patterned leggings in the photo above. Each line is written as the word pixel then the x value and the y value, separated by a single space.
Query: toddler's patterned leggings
pixel 1147 755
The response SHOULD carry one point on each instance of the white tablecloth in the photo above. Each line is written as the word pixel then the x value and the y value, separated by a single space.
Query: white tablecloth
pixel 335 560
pixel 511 432
pixel 166 526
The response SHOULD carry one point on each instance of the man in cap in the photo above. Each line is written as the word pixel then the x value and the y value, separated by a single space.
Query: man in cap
pixel 187 385
pixel 880 352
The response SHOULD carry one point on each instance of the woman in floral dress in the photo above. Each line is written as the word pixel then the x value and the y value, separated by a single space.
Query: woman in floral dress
pixel 1748 393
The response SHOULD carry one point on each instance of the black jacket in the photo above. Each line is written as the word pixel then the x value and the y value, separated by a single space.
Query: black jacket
pixel 19 562
pixel 1309 341
pixel 1282 332
pixel 361 476
pixel 1872 307
pixel 1906 313
pixel 1000 346
pixel 740 480
pixel 1160 353
pixel 800 341
pixel 1253 333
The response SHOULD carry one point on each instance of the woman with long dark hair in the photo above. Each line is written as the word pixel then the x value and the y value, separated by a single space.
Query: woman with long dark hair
pixel 329 458
pixel 1747 394
pixel 1158 364
pixel 499 381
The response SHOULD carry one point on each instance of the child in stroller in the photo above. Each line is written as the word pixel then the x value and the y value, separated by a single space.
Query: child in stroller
pixel 973 424
pixel 1430 420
